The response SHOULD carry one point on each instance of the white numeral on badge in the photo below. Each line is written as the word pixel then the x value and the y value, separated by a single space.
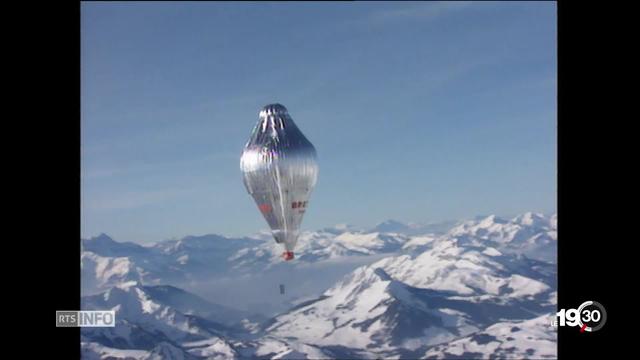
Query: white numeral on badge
pixel 588 316
pixel 569 317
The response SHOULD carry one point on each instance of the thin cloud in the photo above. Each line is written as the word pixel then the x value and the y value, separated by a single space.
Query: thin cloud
pixel 424 11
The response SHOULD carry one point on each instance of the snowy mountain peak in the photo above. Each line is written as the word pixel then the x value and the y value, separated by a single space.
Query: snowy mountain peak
pixel 491 220
pixel 106 271
pixel 371 242
pixel 531 219
pixel 368 309
pixel 340 228
pixel 104 245
pixel 531 233
pixel 101 241
pixel 130 294
pixel 102 238
pixel 391 226
pixel 201 243
pixel 358 280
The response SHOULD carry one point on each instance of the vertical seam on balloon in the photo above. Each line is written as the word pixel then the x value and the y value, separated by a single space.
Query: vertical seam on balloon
pixel 281 201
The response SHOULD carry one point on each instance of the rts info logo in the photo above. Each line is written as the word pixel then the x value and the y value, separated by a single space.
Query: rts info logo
pixel 86 318
pixel 590 316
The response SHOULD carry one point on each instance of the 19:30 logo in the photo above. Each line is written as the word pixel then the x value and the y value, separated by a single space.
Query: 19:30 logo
pixel 590 316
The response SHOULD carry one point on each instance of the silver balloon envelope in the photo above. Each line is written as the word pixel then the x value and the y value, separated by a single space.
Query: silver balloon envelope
pixel 280 170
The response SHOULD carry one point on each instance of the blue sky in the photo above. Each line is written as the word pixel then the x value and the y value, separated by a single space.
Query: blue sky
pixel 419 111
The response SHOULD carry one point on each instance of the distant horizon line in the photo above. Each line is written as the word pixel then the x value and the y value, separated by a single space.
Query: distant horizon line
pixel 334 226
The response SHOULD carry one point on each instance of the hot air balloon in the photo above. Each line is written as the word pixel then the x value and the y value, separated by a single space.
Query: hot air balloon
pixel 280 170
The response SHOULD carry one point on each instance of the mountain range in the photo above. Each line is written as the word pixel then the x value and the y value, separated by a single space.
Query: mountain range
pixel 450 290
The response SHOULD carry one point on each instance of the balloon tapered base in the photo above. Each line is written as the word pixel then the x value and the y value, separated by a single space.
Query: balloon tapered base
pixel 287 255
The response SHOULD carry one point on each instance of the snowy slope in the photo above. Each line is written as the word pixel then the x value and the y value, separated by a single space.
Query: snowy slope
pixel 372 313
pixel 101 272
pixel 407 303
pixel 105 246
pixel 164 322
pixel 106 262
pixel 471 270
pixel 531 234
pixel 526 339
pixel 163 351
pixel 144 319
pixel 368 310
pixel 96 351
pixel 419 243
pixel 191 304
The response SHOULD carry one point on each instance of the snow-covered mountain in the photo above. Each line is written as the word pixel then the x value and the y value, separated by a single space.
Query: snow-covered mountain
pixel 144 309
pixel 393 291
pixel 106 262
pixel 100 272
pixel 368 313
pixel 162 351
pixel 411 229
pixel 158 320
pixel 521 339
pixel 472 271
pixel 106 246
pixel 531 234
pixel 400 306
pixel 319 245
pixel 392 226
